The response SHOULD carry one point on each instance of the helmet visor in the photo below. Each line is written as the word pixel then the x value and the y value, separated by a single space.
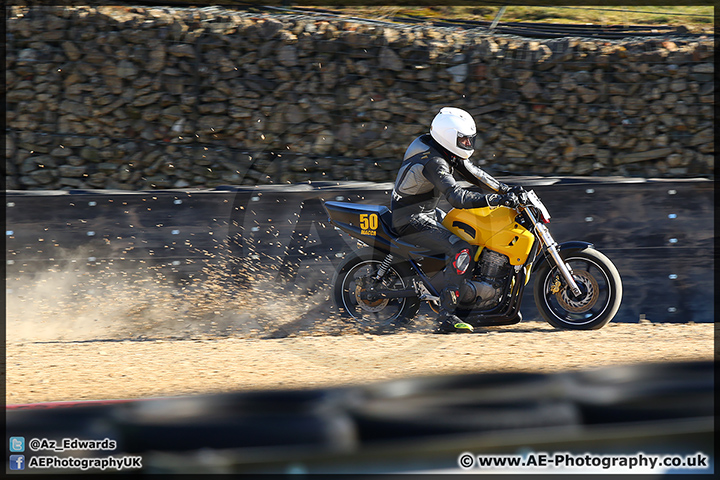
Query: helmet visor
pixel 466 142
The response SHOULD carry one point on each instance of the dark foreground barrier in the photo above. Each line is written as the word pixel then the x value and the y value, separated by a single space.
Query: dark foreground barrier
pixel 410 425
pixel 659 233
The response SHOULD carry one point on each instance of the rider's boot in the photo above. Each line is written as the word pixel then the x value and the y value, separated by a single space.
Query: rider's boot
pixel 448 322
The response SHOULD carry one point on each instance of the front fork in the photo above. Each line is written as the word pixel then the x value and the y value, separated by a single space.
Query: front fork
pixel 551 246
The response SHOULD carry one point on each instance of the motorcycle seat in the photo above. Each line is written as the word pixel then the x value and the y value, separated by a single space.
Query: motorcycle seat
pixel 386 219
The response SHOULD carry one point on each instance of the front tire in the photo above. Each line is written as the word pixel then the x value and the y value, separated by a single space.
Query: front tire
pixel 599 281
pixel 352 278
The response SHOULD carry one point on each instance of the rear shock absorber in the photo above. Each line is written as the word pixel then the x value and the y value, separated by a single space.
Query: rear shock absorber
pixel 384 266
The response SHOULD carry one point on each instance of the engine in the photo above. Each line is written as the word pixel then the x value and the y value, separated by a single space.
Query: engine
pixel 490 277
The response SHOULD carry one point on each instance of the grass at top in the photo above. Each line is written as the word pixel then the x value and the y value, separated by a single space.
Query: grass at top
pixel 695 18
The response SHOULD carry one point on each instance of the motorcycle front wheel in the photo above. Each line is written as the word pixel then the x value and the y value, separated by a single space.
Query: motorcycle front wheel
pixel 355 275
pixel 599 282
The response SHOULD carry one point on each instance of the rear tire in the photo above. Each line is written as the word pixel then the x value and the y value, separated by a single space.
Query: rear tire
pixel 382 314
pixel 600 281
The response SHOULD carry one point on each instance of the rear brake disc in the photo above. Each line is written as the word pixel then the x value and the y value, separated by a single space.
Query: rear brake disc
pixel 366 305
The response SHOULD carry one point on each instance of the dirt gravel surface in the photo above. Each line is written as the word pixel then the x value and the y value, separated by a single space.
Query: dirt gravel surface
pixel 107 334
pixel 61 370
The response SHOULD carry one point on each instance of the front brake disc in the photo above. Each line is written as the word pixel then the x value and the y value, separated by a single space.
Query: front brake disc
pixel 586 301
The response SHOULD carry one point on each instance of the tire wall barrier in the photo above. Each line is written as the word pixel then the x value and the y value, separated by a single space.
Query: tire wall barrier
pixel 399 426
pixel 659 234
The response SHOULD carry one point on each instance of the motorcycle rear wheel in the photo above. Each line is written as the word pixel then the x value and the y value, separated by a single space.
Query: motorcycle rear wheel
pixel 350 280
pixel 596 276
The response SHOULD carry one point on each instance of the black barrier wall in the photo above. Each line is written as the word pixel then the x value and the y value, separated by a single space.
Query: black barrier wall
pixel 659 233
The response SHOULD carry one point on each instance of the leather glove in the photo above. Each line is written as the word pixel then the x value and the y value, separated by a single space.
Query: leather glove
pixel 516 189
pixel 508 200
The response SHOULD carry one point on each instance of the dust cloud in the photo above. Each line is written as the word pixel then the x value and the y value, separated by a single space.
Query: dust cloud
pixel 99 302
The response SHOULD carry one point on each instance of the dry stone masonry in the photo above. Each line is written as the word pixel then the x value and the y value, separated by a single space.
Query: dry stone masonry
pixel 137 98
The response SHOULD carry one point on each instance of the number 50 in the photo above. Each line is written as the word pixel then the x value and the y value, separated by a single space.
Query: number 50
pixel 368 221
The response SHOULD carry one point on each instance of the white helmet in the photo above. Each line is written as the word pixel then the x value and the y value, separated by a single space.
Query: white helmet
pixel 454 129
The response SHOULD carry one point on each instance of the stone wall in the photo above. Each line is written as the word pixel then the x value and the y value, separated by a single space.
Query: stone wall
pixel 137 98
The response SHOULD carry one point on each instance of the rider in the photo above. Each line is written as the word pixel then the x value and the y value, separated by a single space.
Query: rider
pixel 425 175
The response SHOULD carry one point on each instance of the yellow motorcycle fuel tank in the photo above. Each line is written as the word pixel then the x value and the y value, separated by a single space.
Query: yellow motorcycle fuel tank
pixel 494 228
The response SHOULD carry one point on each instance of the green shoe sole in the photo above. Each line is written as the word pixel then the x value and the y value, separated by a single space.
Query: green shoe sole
pixel 464 327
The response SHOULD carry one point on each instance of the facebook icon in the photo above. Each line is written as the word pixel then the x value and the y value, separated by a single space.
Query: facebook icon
pixel 17 462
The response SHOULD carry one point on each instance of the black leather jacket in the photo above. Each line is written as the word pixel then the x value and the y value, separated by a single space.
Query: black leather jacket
pixel 426 174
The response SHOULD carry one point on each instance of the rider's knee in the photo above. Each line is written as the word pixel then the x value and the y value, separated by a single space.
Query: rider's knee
pixel 462 260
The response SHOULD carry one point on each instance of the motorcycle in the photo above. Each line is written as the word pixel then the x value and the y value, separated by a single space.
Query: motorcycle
pixel 383 283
